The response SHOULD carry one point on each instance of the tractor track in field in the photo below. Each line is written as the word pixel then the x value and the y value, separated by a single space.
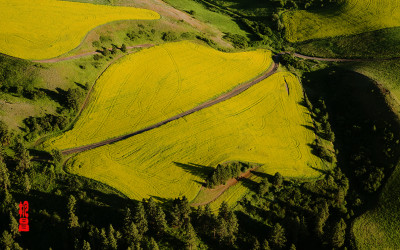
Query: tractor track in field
pixel 234 92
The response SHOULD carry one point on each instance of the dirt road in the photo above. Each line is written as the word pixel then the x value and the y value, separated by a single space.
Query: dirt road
pixel 234 92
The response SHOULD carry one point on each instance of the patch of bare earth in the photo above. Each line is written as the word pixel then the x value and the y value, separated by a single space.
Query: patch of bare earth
pixel 215 193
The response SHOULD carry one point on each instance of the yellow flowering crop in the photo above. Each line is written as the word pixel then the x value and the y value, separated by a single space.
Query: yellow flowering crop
pixel 265 124
pixel 41 29
pixel 157 83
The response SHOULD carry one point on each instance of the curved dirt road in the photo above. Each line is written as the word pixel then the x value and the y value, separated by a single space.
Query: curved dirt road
pixel 234 92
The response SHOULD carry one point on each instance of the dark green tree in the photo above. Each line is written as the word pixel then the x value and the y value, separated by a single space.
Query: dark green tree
pixel 277 180
pixel 104 239
pixel 277 236
pixel 6 240
pixel 152 244
pixel 321 217
pixel 265 245
pixel 13 225
pixel 123 48
pixel 72 218
pixel 263 187
pixel 339 234
pixel 23 158
pixel 223 211
pixel 4 176
pixel 191 240
pixel 140 219
pixel 86 245
pixel 5 136
pixel 112 241
pixel 56 155
pixel 26 184
pixel 160 222
pixel 256 244
pixel 114 49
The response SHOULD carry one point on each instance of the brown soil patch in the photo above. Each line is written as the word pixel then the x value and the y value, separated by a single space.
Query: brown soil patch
pixel 219 190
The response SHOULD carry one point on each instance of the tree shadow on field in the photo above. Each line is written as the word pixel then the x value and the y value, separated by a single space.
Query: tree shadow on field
pixel 196 169
pixel 260 174
pixel 58 95
pixel 249 184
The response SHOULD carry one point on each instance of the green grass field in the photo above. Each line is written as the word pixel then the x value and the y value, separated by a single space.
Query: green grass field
pixel 159 83
pixel 220 21
pixel 379 228
pixel 385 73
pixel 384 43
pixel 353 17
pixel 263 125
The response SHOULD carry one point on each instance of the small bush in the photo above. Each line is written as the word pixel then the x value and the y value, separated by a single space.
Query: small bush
pixel 169 36
pixel 97 57
pixel 238 41
pixel 104 39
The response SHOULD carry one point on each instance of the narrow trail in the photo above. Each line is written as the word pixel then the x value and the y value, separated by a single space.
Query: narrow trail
pixel 223 188
pixel 234 92
pixel 60 59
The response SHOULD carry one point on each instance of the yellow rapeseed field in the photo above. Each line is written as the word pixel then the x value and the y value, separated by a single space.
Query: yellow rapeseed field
pixel 354 17
pixel 157 83
pixel 265 124
pixel 41 29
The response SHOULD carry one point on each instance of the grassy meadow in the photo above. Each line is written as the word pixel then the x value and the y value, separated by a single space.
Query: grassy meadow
pixel 263 125
pixel 352 17
pixel 223 22
pixel 379 227
pixel 60 28
pixel 383 43
pixel 156 84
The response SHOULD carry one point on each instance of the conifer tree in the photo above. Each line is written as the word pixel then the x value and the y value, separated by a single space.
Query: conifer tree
pixel 153 244
pixel 72 218
pixel 190 237
pixel 4 176
pixel 256 244
pixel 6 240
pixel 112 241
pixel 27 183
pixel 277 180
pixel 13 225
pixel 86 245
pixel 277 237
pixel 265 245
pixel 339 234
pixel 140 219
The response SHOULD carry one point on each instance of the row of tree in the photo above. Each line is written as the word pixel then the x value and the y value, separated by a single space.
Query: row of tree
pixel 224 172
